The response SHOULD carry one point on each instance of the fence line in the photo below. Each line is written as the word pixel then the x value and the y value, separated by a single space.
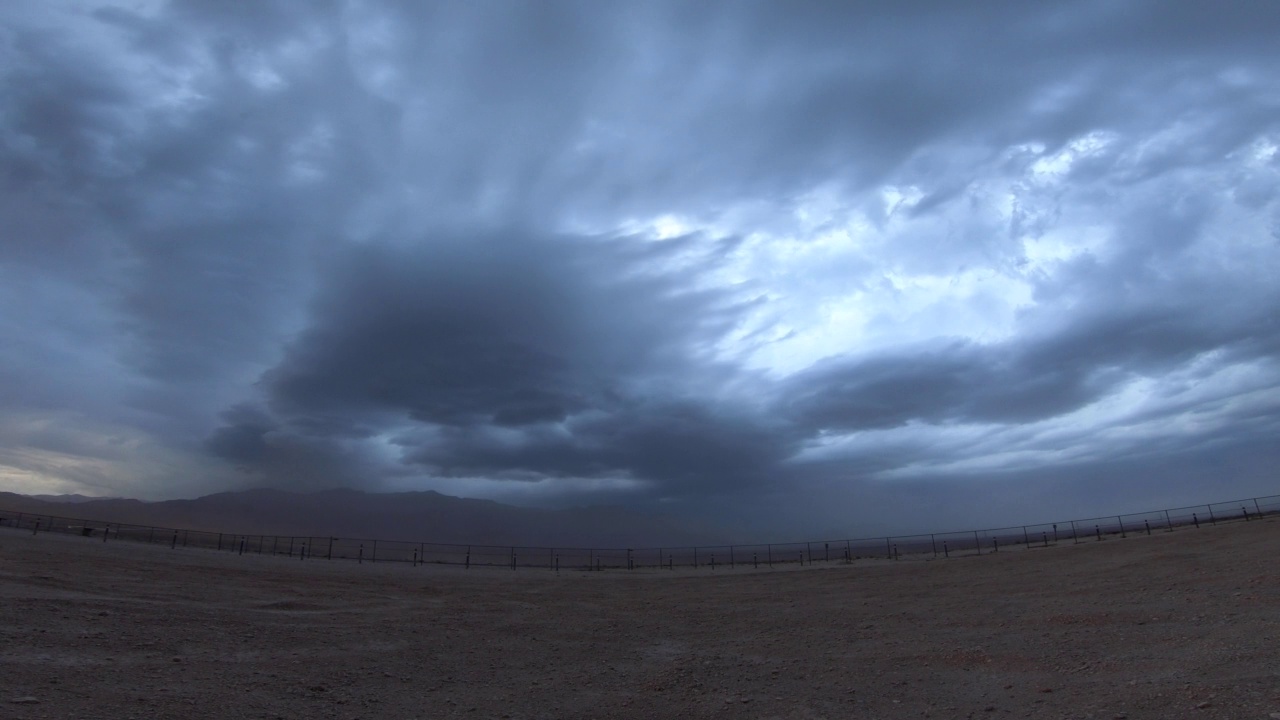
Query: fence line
pixel 943 544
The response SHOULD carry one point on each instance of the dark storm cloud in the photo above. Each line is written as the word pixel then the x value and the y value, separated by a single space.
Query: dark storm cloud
pixel 679 448
pixel 528 357
pixel 256 444
pixel 507 329
pixel 361 243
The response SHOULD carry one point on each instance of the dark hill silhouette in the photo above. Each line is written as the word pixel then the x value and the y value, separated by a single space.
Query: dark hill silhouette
pixel 70 499
pixel 428 516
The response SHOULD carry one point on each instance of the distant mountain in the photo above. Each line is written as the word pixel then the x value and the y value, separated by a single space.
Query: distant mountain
pixel 72 498
pixel 425 516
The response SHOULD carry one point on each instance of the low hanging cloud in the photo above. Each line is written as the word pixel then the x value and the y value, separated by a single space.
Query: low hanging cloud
pixel 1018 382
pixel 524 357
pixel 576 252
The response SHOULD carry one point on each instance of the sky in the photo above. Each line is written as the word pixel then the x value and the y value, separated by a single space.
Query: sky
pixel 802 265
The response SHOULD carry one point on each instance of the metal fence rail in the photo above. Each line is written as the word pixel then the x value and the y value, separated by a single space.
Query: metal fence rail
pixel 755 555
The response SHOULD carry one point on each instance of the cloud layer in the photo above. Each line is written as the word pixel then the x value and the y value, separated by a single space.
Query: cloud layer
pixel 748 256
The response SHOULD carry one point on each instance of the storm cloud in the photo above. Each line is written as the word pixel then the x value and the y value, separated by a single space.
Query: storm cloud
pixel 768 258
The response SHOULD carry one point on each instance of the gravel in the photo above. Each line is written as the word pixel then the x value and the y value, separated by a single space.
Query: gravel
pixel 1172 625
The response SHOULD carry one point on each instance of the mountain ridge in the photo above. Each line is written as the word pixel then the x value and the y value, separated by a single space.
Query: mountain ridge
pixel 412 515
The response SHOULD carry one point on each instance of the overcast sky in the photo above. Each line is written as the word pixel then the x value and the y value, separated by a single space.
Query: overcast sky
pixel 830 265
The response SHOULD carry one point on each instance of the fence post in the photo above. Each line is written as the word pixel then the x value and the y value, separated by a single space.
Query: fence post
pixel 755 561
pixel 945 552
pixel 1025 540
pixel 360 555
pixel 891 550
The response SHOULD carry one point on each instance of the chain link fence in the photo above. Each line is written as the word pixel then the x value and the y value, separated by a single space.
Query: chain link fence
pixel 932 545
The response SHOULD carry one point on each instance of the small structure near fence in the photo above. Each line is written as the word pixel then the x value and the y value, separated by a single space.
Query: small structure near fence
pixel 416 553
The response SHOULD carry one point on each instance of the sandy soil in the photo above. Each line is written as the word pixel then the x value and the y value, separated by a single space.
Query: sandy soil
pixel 1175 625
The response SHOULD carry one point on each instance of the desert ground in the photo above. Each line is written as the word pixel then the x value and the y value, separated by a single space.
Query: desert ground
pixel 1182 624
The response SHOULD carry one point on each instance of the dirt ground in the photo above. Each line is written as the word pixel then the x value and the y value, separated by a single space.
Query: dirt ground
pixel 1175 625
